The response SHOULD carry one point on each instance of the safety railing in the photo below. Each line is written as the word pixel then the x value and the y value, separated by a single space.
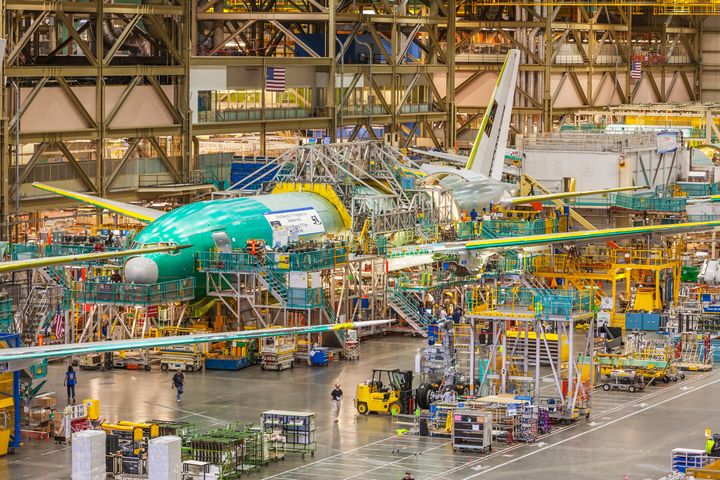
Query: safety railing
pixel 514 228
pixel 34 250
pixel 518 300
pixel 21 251
pixel 134 294
pixel 600 259
pixel 247 114
pixel 6 316
pixel 698 189
pixel 310 260
pixel 303 298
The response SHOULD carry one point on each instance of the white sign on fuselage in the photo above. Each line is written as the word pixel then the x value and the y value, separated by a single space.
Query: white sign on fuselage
pixel 306 221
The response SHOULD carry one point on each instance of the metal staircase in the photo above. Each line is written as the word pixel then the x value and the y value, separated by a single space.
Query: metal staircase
pixel 274 283
pixel 329 312
pixel 35 313
pixel 408 308
pixel 533 283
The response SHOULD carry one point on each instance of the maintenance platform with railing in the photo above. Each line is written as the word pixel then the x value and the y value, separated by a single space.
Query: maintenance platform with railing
pixel 308 283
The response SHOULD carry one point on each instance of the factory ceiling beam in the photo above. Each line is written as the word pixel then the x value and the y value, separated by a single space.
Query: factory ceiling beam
pixel 380 96
pixel 439 99
pixel 406 93
pixel 75 36
pixel 164 99
pixel 28 34
pixel 167 42
pixel 121 39
pixel 78 169
pixel 79 107
pixel 33 71
pixel 233 35
pixel 28 100
pixel 92 7
pixel 121 100
pixel 379 43
pixel 131 148
pixel 431 133
pixel 290 34
pixel 659 96
pixel 39 150
pixel 344 44
pixel 165 159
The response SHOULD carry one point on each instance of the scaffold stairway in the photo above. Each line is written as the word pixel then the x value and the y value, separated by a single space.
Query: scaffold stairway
pixel 531 282
pixel 406 308
pixel 34 313
pixel 274 283
pixel 333 318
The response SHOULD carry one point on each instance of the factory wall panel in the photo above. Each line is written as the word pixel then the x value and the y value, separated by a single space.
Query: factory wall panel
pixel 644 92
pixel 243 78
pixel 143 108
pixel 606 92
pixel 208 78
pixel 52 110
pixel 568 97
pixel 710 81
pixel 475 94
pixel 251 78
pixel 596 171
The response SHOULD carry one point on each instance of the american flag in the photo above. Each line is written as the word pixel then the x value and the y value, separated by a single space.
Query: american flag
pixel 59 324
pixel 636 70
pixel 275 79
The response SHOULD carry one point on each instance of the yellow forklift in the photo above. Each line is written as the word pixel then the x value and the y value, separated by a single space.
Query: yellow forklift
pixel 388 391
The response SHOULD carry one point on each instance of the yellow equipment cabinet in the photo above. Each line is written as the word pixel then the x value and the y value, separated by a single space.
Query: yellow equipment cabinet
pixel 389 391
pixel 92 407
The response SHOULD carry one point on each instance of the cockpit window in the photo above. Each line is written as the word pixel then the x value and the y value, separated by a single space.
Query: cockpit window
pixel 157 244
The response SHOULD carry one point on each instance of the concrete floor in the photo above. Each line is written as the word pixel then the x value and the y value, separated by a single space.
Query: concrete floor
pixel 628 434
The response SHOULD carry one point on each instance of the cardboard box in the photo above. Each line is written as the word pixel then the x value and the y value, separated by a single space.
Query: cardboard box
pixel 46 401
pixel 39 416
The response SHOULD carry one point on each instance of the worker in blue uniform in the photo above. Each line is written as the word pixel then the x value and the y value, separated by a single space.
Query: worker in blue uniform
pixel 70 381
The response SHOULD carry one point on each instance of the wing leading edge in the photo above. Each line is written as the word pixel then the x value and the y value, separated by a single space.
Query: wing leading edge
pixel 561 195
pixel 84 257
pixel 142 214
pixel 65 350
pixel 587 235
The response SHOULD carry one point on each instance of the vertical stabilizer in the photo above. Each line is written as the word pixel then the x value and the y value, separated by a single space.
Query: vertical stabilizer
pixel 488 152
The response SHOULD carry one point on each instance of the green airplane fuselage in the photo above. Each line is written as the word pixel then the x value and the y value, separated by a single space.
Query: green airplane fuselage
pixel 242 219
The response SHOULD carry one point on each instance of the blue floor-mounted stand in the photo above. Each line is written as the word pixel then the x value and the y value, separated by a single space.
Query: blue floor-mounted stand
pixel 13 341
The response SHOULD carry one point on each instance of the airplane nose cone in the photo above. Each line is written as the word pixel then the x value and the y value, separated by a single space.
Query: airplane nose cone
pixel 141 270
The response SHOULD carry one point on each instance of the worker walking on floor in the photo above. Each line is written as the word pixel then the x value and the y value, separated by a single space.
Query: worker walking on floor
pixel 336 399
pixel 70 381
pixel 178 383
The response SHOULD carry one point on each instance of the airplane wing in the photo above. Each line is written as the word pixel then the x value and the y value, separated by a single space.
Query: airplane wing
pixel 704 199
pixel 15 356
pixel 142 214
pixel 84 257
pixel 415 259
pixel 587 236
pixel 556 196
pixel 450 157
